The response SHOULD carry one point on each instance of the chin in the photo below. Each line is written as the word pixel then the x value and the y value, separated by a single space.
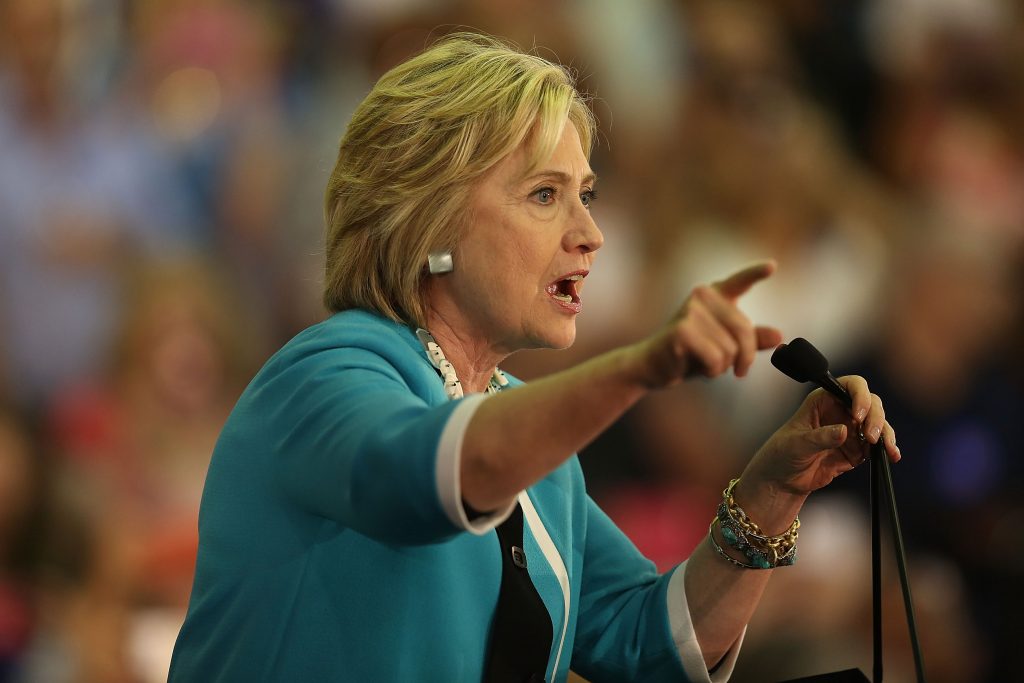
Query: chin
pixel 558 337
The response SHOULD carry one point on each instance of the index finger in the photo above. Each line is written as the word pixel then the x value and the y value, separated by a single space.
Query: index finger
pixel 739 282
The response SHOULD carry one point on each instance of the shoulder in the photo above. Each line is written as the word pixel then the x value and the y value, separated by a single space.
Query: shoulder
pixel 353 340
pixel 354 333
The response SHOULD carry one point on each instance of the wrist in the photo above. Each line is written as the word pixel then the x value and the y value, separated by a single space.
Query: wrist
pixel 760 549
pixel 621 370
pixel 650 367
pixel 771 506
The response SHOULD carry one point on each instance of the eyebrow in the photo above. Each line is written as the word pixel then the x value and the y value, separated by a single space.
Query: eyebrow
pixel 562 177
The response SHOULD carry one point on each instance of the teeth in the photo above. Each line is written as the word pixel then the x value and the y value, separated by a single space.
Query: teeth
pixel 563 297
pixel 574 278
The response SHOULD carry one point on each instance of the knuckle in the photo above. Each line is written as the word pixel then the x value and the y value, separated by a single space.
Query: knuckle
pixel 741 329
pixel 748 341
pixel 695 310
pixel 741 321
pixel 699 312
pixel 679 346
pixel 712 360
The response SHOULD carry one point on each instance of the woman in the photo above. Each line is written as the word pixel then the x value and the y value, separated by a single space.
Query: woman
pixel 347 530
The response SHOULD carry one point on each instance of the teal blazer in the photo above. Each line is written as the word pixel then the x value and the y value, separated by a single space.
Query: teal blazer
pixel 328 552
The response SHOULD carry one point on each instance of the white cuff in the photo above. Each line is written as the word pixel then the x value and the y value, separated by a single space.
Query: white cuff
pixel 686 637
pixel 449 456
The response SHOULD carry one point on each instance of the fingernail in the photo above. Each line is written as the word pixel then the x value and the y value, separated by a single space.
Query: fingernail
pixel 875 433
pixel 860 414
pixel 837 432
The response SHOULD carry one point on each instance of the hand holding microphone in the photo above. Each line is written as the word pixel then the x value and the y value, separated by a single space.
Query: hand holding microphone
pixel 813 447
pixel 801 361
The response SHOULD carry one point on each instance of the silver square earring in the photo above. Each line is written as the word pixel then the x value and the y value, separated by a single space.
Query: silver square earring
pixel 440 262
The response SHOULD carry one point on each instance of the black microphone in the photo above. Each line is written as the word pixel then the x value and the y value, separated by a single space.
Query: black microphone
pixel 804 363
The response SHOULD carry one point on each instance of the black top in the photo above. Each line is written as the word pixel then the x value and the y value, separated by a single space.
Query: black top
pixel 521 633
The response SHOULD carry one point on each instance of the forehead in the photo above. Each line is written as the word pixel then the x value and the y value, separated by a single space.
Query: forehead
pixel 566 158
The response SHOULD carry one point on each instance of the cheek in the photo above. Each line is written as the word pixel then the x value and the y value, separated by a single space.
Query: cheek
pixel 509 255
pixel 528 270
pixel 505 266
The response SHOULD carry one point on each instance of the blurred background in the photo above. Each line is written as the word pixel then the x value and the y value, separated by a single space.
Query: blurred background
pixel 162 165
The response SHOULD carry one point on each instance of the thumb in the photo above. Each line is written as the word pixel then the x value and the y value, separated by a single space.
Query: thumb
pixel 767 337
pixel 822 438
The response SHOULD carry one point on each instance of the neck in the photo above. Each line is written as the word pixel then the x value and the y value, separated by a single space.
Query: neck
pixel 473 358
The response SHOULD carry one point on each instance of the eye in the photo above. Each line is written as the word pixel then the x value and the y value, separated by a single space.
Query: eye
pixel 545 195
pixel 587 197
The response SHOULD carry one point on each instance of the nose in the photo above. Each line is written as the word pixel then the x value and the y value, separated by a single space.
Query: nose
pixel 583 235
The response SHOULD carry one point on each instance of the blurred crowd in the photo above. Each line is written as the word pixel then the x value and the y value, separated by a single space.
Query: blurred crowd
pixel 162 165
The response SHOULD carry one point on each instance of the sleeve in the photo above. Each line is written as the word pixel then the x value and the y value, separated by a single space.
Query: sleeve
pixel 352 443
pixel 686 638
pixel 634 624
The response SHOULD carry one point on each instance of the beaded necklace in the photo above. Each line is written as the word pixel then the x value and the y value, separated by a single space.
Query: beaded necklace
pixel 452 385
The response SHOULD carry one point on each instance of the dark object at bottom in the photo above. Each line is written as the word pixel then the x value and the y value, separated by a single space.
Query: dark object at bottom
pixel 521 634
pixel 844 676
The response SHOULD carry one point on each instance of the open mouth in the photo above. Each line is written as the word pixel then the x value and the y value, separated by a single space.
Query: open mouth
pixel 566 290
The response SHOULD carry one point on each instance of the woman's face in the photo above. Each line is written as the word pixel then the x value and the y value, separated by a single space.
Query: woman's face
pixel 527 245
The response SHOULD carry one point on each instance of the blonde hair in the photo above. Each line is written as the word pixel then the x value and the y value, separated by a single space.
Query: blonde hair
pixel 427 131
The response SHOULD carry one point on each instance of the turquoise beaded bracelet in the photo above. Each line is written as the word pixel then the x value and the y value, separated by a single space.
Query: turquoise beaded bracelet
pixel 744 536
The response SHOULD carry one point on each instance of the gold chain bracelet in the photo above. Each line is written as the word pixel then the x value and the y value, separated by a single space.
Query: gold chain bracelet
pixel 743 534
